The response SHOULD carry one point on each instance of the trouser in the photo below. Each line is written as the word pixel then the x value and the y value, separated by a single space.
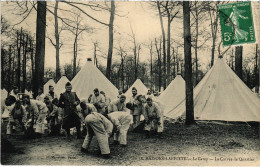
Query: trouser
pixel 136 120
pixel 121 135
pixel 97 128
pixel 153 125
pixel 40 125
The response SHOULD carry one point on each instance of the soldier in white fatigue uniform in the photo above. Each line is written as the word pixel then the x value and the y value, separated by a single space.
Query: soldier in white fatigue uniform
pixel 122 121
pixel 98 125
pixel 153 118
pixel 40 109
pixel 118 105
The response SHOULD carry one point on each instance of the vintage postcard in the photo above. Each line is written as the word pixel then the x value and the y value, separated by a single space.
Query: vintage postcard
pixel 130 83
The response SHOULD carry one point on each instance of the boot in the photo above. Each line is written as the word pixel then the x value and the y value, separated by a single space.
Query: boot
pixel 79 136
pixel 147 134
pixel 83 150
pixel 159 135
pixel 116 142
pixel 68 135
pixel 106 156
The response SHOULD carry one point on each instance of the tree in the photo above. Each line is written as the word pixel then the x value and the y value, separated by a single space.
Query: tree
pixel 197 10
pixel 111 39
pixel 76 30
pixel 214 16
pixel 40 46
pixel 171 9
pixel 256 71
pixel 188 64
pixel 159 54
pixel 238 61
pixel 164 47
pixel 57 43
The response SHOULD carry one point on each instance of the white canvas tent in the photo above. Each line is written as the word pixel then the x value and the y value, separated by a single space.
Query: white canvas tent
pixel 4 93
pixel 221 95
pixel 173 94
pixel 60 86
pixel 141 89
pixel 46 86
pixel 89 78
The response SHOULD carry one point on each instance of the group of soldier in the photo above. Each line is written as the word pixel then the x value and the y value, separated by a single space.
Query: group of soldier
pixel 96 116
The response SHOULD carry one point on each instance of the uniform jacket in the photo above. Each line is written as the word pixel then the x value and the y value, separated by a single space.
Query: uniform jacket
pixel 152 112
pixel 68 101
pixel 116 105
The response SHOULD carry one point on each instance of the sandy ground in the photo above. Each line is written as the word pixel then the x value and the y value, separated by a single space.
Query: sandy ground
pixel 203 144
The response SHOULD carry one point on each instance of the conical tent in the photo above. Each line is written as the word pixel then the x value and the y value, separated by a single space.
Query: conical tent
pixel 4 93
pixel 221 95
pixel 46 86
pixel 141 89
pixel 173 94
pixel 60 86
pixel 89 78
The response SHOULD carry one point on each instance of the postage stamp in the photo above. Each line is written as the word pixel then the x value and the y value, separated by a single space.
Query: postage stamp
pixel 236 21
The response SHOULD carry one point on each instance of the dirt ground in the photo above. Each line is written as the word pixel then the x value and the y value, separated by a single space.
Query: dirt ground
pixel 203 144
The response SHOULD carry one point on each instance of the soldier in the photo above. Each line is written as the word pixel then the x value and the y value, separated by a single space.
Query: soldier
pixel 68 101
pixel 39 110
pixel 17 116
pixel 98 125
pixel 121 121
pixel 153 118
pixel 51 93
pixel 98 100
pixel 40 96
pixel 118 105
pixel 52 116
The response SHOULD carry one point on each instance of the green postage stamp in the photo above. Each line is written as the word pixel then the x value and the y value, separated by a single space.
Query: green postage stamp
pixel 237 24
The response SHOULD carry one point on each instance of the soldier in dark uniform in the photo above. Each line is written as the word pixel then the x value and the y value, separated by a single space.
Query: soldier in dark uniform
pixel 68 101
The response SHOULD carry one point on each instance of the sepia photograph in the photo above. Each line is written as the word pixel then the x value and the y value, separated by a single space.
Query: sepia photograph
pixel 130 83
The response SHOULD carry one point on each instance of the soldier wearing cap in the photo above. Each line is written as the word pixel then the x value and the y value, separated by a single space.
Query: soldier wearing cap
pixel 68 101
pixel 51 94
pixel 98 100
pixel 118 105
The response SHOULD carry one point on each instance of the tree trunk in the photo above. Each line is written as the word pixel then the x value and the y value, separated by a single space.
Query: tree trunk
pixel 135 57
pixel 19 59
pixel 214 30
pixel 196 44
pixel 159 63
pixel 2 68
pixel 174 64
pixel 95 54
pixel 32 64
pixel 57 47
pixel 40 46
pixel 238 61
pixel 151 69
pixel 188 64
pixel 168 76
pixel 164 48
pixel 256 72
pixel 111 40
pixel 24 63
pixel 75 56
pixel 10 68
